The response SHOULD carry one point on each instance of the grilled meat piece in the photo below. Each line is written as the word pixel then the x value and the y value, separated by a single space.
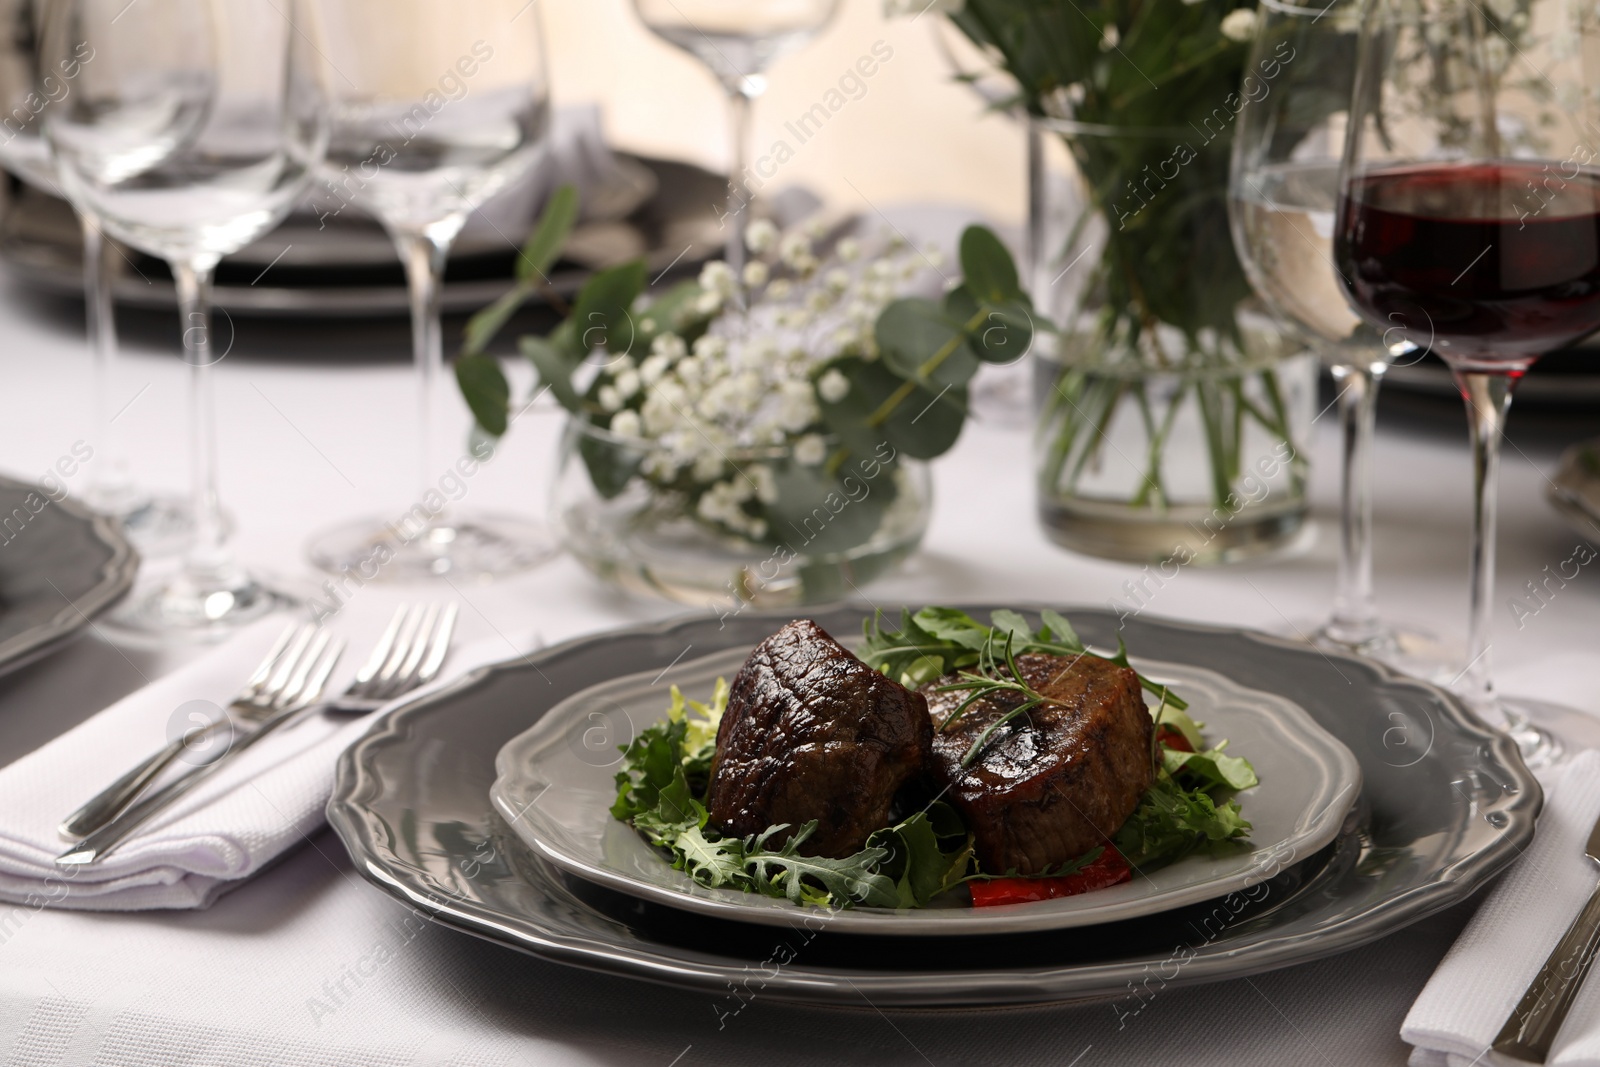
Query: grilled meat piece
pixel 1056 781
pixel 811 732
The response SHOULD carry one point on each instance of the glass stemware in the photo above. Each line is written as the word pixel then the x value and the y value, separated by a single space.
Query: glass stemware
pixel 27 90
pixel 192 132
pixel 1288 143
pixel 435 109
pixel 737 40
pixel 1469 223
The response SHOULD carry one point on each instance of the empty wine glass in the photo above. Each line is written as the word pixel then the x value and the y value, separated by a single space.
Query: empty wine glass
pixel 1284 192
pixel 737 40
pixel 1469 223
pixel 27 89
pixel 192 132
pixel 435 109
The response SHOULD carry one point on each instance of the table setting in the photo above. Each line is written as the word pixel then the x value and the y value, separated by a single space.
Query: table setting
pixel 630 533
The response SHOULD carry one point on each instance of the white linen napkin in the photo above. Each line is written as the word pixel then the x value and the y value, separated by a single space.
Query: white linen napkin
pixel 1483 976
pixel 226 830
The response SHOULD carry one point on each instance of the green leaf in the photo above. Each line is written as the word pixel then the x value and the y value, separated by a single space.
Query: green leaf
pixel 817 513
pixel 1213 768
pixel 956 627
pixel 990 272
pixel 1005 332
pixel 786 871
pixel 602 318
pixel 486 390
pixel 1011 622
pixel 921 424
pixel 544 244
pixel 611 466
pixel 920 343
pixel 1059 630
pixel 483 326
pixel 555 369
pixel 929 854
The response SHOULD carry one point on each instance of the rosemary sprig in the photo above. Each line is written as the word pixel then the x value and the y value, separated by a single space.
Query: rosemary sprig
pixel 990 680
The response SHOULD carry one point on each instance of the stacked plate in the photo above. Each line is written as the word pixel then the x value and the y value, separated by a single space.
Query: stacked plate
pixel 485 805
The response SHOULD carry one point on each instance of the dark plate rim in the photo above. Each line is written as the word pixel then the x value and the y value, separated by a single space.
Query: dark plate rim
pixel 116 577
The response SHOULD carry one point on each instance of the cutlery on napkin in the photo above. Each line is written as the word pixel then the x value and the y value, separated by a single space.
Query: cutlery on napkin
pixel 1482 979
pixel 267 801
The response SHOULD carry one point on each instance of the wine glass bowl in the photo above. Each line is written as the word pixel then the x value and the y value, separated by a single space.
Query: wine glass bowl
pixel 1283 200
pixel 1469 224
pixel 434 109
pixel 193 130
pixel 737 40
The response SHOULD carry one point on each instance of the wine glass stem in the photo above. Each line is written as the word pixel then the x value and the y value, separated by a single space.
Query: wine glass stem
pixel 424 256
pixel 741 112
pixel 209 564
pixel 1355 619
pixel 1488 398
pixel 110 488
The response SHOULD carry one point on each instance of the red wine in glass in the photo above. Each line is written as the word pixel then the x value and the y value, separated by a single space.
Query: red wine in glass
pixel 1489 264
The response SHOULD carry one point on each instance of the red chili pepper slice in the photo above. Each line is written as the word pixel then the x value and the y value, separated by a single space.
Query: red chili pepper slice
pixel 1173 739
pixel 1108 869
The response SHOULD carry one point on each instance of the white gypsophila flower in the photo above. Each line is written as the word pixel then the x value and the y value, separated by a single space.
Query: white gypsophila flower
pixel 848 250
pixel 718 277
pixel 810 450
pixel 710 346
pixel 669 346
pixel 894 8
pixel 1110 38
pixel 833 386
pixel 766 483
pixel 610 399
pixel 627 383
pixel 838 280
pixel 797 406
pixel 647 324
pixel 708 303
pixel 651 370
pixel 761 236
pixel 627 424
pixel 780 289
pixel 707 465
pixel 1239 24
pixel 795 249
pixel 756 274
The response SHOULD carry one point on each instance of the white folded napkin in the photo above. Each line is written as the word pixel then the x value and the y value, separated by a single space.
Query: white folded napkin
pixel 1483 977
pixel 226 830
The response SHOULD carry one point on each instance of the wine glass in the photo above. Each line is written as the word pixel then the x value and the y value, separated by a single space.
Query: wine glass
pixel 192 131
pixel 435 109
pixel 1469 223
pixel 1287 147
pixel 27 90
pixel 737 40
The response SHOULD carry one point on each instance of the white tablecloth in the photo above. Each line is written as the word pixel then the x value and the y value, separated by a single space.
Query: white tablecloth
pixel 284 969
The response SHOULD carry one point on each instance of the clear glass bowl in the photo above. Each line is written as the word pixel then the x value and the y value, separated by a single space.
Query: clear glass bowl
pixel 649 538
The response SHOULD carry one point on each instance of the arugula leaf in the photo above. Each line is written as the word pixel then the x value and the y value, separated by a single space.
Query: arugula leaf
pixel 852 879
pixel 928 854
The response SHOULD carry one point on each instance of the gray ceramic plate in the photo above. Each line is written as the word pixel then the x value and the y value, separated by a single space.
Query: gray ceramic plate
pixel 556 781
pixel 60 566
pixel 1445 804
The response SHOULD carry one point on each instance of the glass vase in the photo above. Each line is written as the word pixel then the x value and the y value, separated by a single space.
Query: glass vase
pixel 810 537
pixel 1171 413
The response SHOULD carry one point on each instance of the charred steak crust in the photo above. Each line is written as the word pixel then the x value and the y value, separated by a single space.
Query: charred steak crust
pixel 1056 781
pixel 811 732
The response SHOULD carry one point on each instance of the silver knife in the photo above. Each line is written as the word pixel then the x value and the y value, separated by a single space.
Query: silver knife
pixel 1533 1025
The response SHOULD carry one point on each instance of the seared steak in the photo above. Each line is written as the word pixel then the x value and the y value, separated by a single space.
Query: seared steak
pixel 811 732
pixel 1057 780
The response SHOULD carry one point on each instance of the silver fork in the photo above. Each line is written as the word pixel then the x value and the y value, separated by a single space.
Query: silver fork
pixel 410 653
pixel 279 682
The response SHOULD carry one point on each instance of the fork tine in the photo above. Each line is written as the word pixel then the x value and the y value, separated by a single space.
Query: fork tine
pixel 253 684
pixel 286 665
pixel 297 681
pixel 380 654
pixel 402 649
pixel 419 647
pixel 441 647
pixel 318 677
